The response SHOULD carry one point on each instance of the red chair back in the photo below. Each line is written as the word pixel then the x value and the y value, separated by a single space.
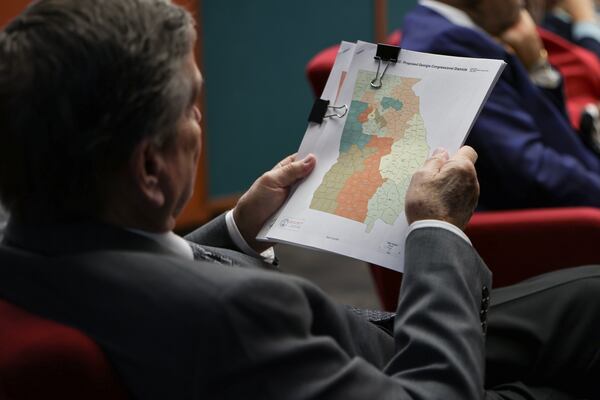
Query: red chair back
pixel 580 70
pixel 42 359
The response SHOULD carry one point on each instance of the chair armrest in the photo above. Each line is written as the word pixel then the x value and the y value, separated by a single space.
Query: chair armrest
pixel 520 244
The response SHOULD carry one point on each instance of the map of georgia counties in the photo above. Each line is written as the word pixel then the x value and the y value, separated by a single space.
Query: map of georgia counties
pixel 383 142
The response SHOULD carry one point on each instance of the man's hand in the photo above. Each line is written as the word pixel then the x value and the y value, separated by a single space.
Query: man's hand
pixel 524 40
pixel 579 10
pixel 444 188
pixel 266 195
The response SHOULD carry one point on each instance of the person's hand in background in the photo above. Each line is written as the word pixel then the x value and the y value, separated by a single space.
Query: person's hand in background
pixel 579 10
pixel 523 39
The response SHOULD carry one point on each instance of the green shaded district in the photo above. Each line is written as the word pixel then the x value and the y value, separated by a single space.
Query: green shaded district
pixel 408 151
pixel 389 102
pixel 387 203
pixel 348 163
pixel 353 130
pixel 397 168
pixel 381 122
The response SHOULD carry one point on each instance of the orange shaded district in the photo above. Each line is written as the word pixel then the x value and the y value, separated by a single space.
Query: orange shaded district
pixel 353 199
pixel 364 116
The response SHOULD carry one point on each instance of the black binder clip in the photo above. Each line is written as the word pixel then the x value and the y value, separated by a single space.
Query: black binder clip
pixel 319 111
pixel 387 54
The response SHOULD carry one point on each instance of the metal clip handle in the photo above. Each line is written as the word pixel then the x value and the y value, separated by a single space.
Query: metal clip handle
pixel 376 82
pixel 320 108
pixel 336 115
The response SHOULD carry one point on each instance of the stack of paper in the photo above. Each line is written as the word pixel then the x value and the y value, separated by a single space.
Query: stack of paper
pixel 353 202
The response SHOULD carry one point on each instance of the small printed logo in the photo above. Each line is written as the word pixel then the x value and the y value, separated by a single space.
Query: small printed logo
pixel 390 248
pixel 291 224
pixel 478 70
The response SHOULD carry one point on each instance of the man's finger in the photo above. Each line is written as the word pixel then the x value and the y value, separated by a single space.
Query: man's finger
pixel 466 152
pixel 289 159
pixel 437 160
pixel 293 171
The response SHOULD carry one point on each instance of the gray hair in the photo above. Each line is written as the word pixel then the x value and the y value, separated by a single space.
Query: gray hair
pixel 81 83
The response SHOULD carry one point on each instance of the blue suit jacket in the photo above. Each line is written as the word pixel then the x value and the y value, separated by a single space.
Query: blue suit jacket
pixel 529 156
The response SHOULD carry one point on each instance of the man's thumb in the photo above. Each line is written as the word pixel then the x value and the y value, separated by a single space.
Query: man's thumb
pixel 437 160
pixel 292 172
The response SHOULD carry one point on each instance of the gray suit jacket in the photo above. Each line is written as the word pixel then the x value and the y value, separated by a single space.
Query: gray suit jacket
pixel 177 329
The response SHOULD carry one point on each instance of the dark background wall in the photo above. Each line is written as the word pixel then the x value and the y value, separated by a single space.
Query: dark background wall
pixel 257 95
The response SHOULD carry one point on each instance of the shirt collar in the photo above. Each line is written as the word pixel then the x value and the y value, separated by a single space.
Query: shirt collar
pixel 452 14
pixel 171 241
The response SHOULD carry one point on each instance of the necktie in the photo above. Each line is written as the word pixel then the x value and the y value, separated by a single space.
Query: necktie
pixel 383 319
pixel 200 253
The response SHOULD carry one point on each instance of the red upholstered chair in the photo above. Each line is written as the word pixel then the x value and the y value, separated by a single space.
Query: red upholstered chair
pixel 580 70
pixel 519 244
pixel 515 244
pixel 42 359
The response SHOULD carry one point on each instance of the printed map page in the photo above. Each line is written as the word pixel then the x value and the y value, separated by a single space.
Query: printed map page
pixel 383 142
pixel 353 201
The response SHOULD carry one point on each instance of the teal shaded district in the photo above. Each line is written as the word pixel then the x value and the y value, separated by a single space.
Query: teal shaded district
pixel 353 130
pixel 389 102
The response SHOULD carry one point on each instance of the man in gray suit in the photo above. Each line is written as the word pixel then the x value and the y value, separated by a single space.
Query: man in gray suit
pixel 99 138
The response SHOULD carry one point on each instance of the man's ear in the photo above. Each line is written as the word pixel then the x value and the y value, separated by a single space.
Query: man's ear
pixel 147 167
